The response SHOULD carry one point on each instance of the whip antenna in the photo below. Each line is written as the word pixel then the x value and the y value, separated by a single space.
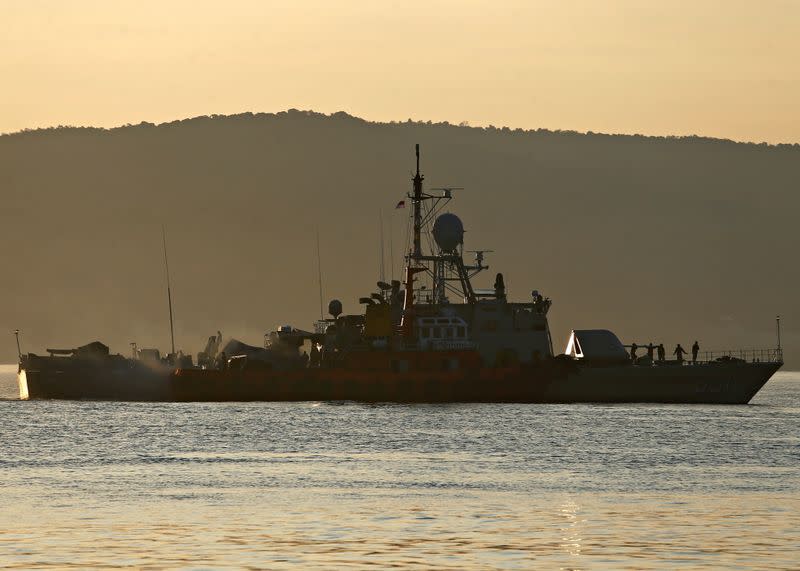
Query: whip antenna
pixel 19 351
pixel 382 271
pixel 169 290
pixel 319 277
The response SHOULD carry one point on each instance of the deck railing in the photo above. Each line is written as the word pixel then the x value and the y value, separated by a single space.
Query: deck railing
pixel 773 355
pixel 750 355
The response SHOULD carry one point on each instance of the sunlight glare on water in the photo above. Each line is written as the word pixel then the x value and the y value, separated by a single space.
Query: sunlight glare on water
pixel 94 484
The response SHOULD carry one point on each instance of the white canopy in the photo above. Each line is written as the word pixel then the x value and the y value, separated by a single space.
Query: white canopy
pixel 596 345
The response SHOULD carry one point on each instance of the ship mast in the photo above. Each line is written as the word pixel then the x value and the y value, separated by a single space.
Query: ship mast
pixel 416 202
pixel 415 256
pixel 416 260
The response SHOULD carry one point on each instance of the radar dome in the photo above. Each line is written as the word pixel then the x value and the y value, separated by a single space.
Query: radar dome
pixel 448 231
pixel 335 308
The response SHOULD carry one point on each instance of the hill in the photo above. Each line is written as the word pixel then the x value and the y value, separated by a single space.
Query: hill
pixel 662 239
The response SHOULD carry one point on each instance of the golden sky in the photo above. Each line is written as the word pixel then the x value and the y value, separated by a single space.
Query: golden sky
pixel 721 68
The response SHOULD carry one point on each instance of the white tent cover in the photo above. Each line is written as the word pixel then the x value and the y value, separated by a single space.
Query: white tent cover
pixel 596 345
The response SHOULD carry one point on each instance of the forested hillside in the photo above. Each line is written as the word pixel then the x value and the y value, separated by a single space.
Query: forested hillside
pixel 659 239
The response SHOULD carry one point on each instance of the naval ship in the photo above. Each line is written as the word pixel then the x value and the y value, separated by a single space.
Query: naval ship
pixel 432 337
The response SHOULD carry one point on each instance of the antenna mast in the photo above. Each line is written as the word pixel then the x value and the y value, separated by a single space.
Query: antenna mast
pixel 383 265
pixel 319 277
pixel 416 202
pixel 391 246
pixel 19 351
pixel 169 290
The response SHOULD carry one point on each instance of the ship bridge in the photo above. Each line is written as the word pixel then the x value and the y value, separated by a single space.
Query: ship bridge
pixel 442 333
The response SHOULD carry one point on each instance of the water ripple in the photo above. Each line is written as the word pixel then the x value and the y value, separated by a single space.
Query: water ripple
pixel 319 485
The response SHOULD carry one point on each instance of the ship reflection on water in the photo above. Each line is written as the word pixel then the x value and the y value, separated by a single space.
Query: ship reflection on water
pixel 314 485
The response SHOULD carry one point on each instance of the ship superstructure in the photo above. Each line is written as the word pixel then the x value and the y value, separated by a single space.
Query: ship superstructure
pixel 502 331
pixel 435 308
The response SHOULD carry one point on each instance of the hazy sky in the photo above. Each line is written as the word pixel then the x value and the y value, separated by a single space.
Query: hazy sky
pixel 724 68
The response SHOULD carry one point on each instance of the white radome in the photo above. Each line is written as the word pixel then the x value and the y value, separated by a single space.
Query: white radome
pixel 448 231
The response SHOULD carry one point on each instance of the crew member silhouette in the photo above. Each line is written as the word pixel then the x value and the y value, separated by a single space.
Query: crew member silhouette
pixel 679 352
pixel 314 357
pixel 650 348
pixel 662 353
pixel 695 351
pixel 634 347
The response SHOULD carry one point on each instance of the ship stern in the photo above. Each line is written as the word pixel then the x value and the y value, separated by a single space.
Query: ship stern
pixel 22 383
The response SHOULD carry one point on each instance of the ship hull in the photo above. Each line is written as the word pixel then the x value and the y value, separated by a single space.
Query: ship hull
pixel 121 380
pixel 711 384
pixel 724 383
pixel 715 383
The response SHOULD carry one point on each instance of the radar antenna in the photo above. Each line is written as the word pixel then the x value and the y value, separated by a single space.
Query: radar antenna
pixel 479 258
pixel 448 190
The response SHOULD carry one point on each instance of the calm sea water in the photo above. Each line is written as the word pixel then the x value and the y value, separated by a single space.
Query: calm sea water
pixel 318 485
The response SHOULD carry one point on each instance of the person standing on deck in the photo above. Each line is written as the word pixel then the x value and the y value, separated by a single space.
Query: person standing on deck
pixel 221 362
pixel 650 348
pixel 695 351
pixel 679 352
pixel 662 353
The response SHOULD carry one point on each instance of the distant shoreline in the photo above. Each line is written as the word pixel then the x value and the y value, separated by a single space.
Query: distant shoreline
pixel 465 125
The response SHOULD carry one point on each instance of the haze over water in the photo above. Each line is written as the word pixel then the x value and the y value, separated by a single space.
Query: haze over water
pixel 270 485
